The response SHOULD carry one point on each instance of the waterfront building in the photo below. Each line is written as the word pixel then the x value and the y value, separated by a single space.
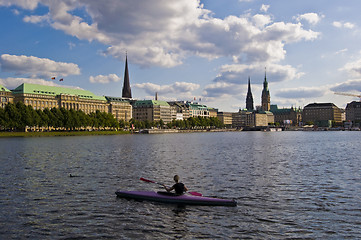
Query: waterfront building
pixel 249 98
pixel 238 119
pixel 322 114
pixel 213 112
pixel 252 119
pixel 259 119
pixel 198 110
pixel 266 98
pixel 353 112
pixel 152 110
pixel 287 116
pixel 42 96
pixel 127 93
pixel 179 110
pixel 120 108
pixel 5 96
pixel 225 118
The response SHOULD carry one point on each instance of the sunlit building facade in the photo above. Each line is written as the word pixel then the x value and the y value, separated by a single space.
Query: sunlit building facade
pixel 5 96
pixel 42 96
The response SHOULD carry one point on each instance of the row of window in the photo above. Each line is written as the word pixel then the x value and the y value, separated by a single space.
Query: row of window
pixel 49 104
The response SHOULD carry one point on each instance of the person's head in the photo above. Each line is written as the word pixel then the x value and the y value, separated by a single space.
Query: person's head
pixel 176 178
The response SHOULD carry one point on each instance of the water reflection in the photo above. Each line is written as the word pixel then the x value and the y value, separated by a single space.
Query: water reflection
pixel 288 185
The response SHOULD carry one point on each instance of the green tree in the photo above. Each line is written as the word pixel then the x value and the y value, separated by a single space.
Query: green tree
pixel 12 116
pixel 2 119
pixel 57 118
pixel 49 118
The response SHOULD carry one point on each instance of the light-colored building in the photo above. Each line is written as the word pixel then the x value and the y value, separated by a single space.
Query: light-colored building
pixel 213 112
pixel 353 112
pixel 287 116
pixel 320 113
pixel 42 96
pixel 5 96
pixel 179 110
pixel 120 108
pixel 252 119
pixel 198 110
pixel 225 118
pixel 152 110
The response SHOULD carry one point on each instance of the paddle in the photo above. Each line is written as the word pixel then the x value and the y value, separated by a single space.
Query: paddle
pixel 150 181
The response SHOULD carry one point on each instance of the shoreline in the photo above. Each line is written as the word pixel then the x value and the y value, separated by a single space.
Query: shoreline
pixel 60 134
pixel 150 131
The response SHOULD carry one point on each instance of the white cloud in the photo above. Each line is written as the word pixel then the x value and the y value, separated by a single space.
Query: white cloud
pixel 36 19
pixel 312 18
pixel 342 51
pixel 26 4
pixel 264 8
pixel 301 92
pixel 261 20
pixel 347 25
pixel 37 67
pixel 238 73
pixel 348 86
pixel 177 88
pixel 104 79
pixel 12 83
pixel 222 89
pixel 164 32
pixel 352 68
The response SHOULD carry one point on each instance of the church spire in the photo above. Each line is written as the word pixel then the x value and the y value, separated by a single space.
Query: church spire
pixel 265 83
pixel 266 98
pixel 249 98
pixel 127 93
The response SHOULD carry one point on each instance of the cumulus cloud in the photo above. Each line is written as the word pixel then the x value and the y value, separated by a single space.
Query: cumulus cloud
pixel 264 8
pixel 37 67
pixel 342 51
pixel 36 19
pixel 177 87
pixel 353 68
pixel 301 92
pixel 222 89
pixel 348 86
pixel 311 18
pixel 26 4
pixel 12 83
pixel 347 25
pixel 104 79
pixel 238 73
pixel 164 32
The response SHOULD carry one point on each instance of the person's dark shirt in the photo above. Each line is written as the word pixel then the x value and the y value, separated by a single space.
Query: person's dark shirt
pixel 179 188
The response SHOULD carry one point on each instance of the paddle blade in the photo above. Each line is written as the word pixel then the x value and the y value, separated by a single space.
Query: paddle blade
pixel 146 180
pixel 196 194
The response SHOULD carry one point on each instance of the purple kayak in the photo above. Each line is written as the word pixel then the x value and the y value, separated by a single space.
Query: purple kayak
pixel 165 197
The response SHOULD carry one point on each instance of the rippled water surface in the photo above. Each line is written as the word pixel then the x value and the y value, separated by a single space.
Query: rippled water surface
pixel 287 184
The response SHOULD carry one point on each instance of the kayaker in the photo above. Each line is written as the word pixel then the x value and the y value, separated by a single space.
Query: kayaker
pixel 179 187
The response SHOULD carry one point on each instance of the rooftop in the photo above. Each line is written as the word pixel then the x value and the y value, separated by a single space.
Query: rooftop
pixel 4 89
pixel 29 88
pixel 150 102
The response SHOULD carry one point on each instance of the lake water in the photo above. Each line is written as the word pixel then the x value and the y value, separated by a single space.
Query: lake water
pixel 288 185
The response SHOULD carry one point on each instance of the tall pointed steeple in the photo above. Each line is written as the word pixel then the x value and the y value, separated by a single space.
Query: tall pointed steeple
pixel 127 93
pixel 249 98
pixel 266 98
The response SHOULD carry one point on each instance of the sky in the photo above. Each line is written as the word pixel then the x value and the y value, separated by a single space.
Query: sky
pixel 187 49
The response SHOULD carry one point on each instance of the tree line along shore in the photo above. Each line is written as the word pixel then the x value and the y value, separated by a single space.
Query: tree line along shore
pixel 21 120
